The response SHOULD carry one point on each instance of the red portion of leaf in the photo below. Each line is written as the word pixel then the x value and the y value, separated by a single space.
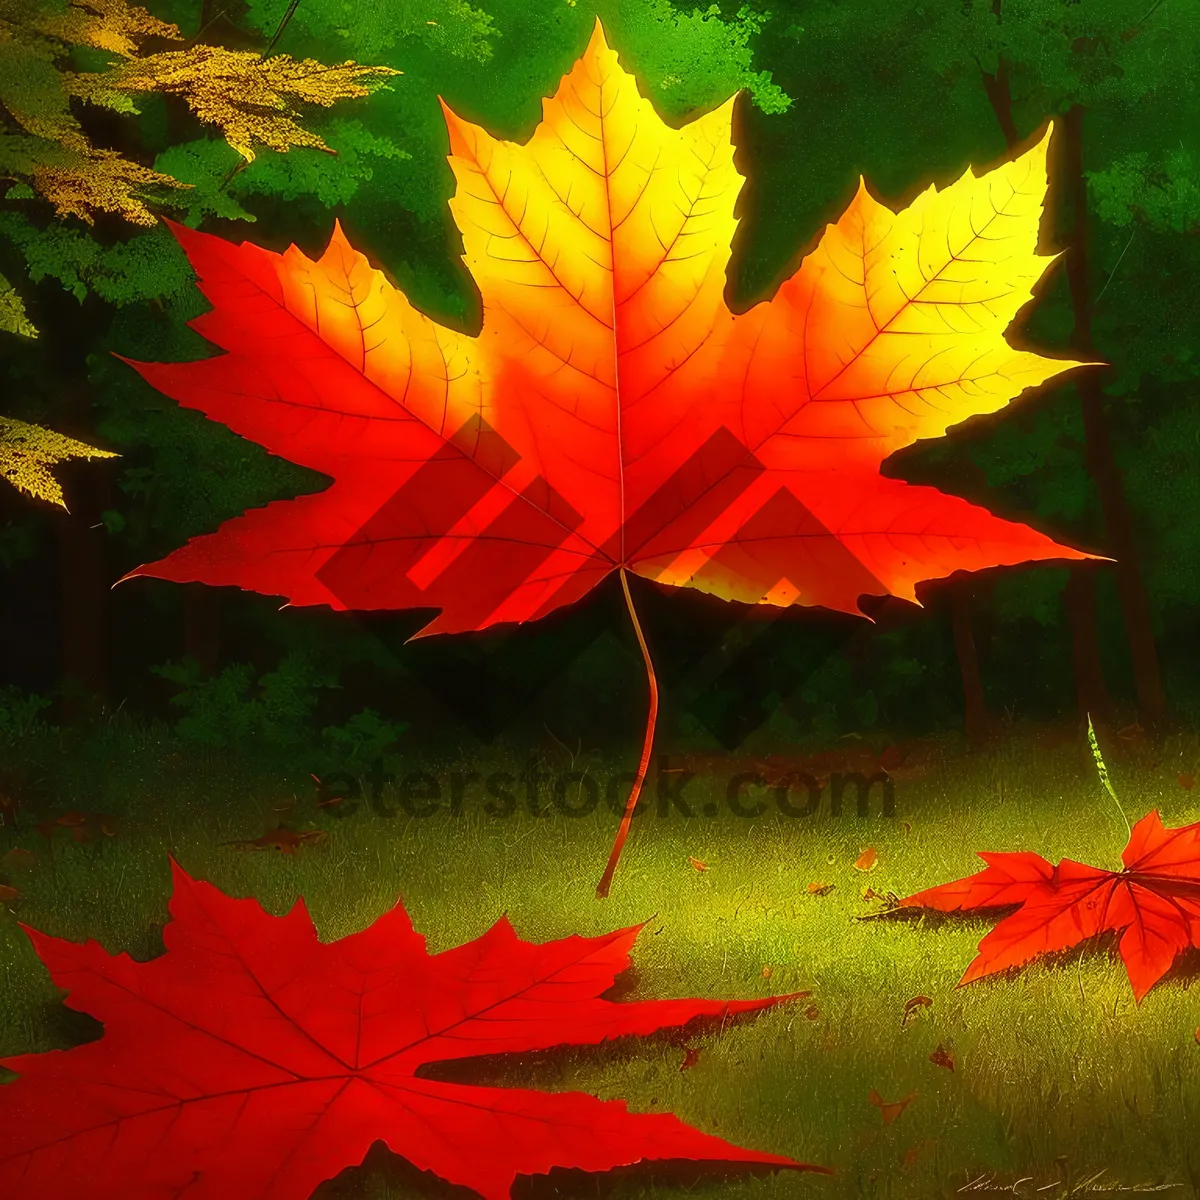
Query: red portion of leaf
pixel 252 1060
pixel 1154 903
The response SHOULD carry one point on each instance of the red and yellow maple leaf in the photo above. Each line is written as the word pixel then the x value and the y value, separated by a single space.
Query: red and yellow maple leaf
pixel 613 414
pixel 252 1060
pixel 1154 903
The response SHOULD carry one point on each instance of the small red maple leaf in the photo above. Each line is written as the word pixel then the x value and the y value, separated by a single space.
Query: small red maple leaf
pixel 1154 903
pixel 252 1060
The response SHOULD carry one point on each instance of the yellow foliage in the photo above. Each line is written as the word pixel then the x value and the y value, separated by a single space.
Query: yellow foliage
pixel 13 318
pixel 100 181
pixel 27 452
pixel 253 100
pixel 110 25
pixel 250 98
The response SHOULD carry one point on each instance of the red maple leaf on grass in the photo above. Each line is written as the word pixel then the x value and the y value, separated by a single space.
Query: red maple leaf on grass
pixel 253 1061
pixel 1154 903
pixel 613 415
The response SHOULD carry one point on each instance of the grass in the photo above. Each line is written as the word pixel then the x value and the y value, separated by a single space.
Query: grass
pixel 1057 1070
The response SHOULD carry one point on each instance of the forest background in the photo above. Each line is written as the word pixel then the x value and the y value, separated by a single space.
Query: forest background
pixel 98 129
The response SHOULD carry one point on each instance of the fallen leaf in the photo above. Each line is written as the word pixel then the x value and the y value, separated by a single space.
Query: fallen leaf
pixel 868 860
pixel 812 1012
pixel 914 1006
pixel 286 841
pixel 890 1109
pixel 941 1057
pixel 253 1060
pixel 80 827
pixel 913 1153
pixel 767 972
pixel 697 864
pixel 820 889
pixel 691 1056
pixel 19 859
pixel 1154 902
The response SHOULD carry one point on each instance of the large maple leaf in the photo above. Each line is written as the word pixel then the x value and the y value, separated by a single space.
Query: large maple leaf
pixel 1154 903
pixel 253 1061
pixel 613 414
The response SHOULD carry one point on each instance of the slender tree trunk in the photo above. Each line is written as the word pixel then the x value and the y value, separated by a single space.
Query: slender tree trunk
pixel 202 626
pixel 1079 597
pixel 999 93
pixel 84 577
pixel 1101 461
pixel 974 703
pixel 1091 690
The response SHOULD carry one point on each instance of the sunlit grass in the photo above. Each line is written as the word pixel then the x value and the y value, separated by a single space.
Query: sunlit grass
pixel 1056 1067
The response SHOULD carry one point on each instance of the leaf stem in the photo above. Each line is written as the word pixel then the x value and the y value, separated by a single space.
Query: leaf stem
pixel 647 747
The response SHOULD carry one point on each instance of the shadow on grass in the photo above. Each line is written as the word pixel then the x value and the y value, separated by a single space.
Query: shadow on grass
pixel 384 1174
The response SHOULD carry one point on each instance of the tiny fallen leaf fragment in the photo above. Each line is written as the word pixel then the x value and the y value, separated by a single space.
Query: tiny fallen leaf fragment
pixel 890 1109
pixel 697 864
pixel 19 859
pixel 812 1012
pixel 820 889
pixel 941 1057
pixel 913 1007
pixel 767 972
pixel 80 827
pixel 286 841
pixel 868 860
pixel 913 1153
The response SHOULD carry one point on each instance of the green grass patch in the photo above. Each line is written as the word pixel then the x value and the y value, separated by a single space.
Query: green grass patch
pixel 1057 1071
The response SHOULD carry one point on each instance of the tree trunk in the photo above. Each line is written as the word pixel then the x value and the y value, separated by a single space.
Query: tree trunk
pixel 83 604
pixel 999 93
pixel 1101 461
pixel 202 626
pixel 1091 691
pixel 1079 597
pixel 974 703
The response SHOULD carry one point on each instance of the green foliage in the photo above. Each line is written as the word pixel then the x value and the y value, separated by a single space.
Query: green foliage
pixel 238 708
pixel 1030 595
pixel 1041 453
pixel 205 165
pixel 310 173
pixel 362 740
pixel 146 266
pixel 686 58
pixel 1164 195
pixel 374 28
pixel 20 714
